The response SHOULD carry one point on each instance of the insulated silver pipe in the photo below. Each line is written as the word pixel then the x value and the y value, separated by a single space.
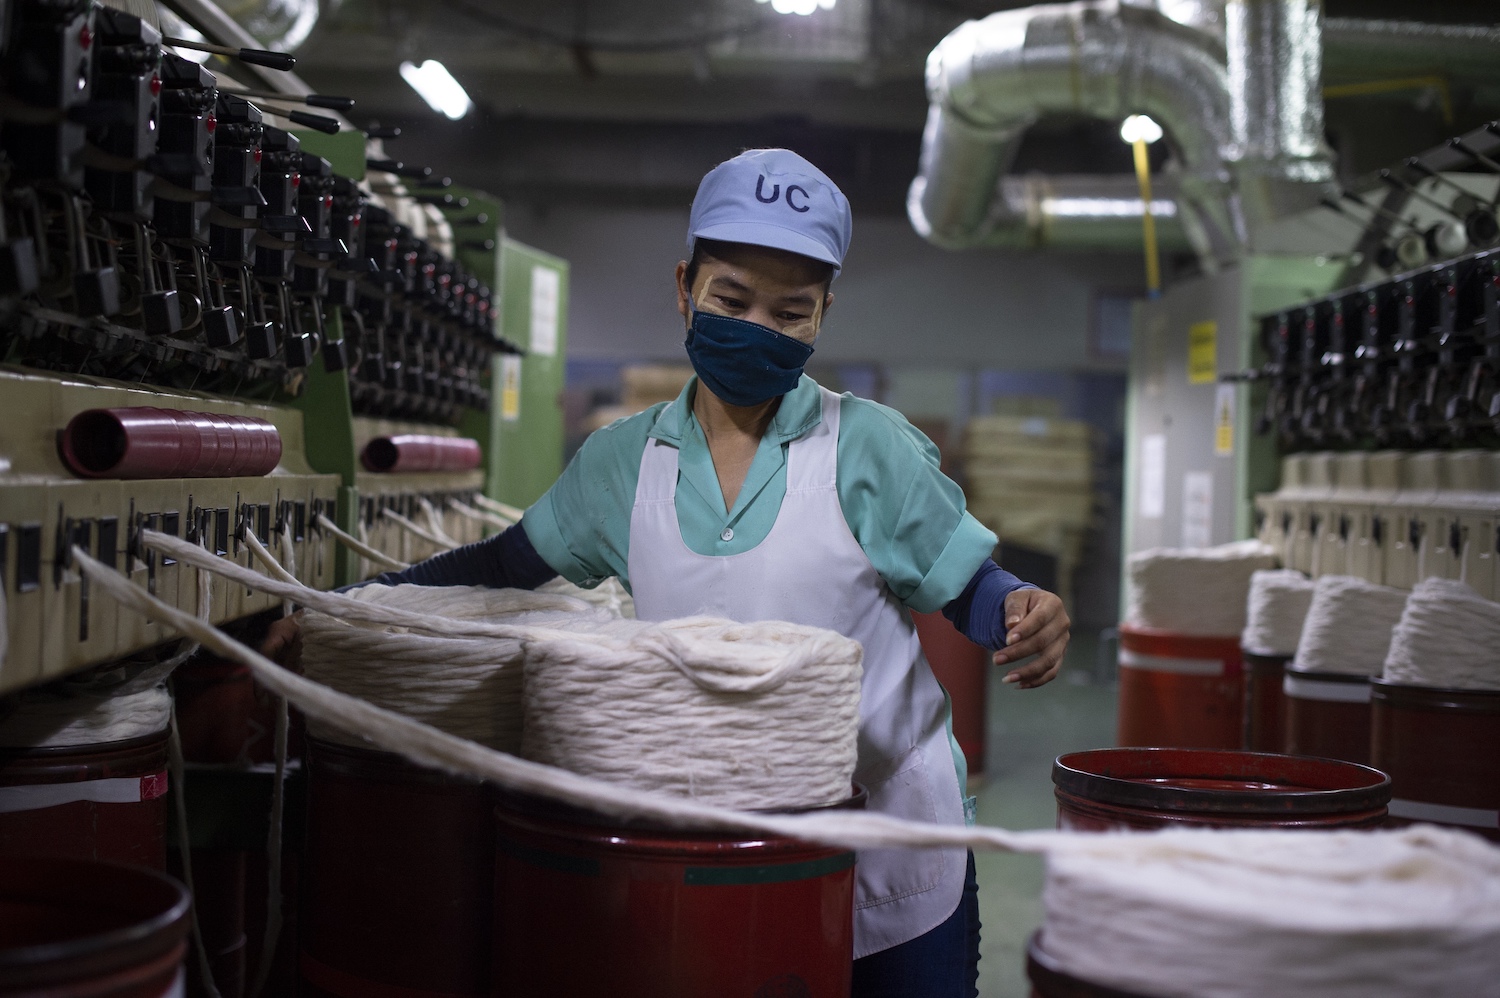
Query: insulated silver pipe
pixel 1274 56
pixel 991 79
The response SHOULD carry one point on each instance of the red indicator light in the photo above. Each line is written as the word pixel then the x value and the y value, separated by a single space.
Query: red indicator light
pixel 210 123
pixel 155 86
pixel 328 200
pixel 296 180
pixel 258 155
pixel 85 37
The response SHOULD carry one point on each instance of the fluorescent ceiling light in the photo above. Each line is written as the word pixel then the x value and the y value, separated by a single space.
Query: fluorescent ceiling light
pixel 803 7
pixel 1140 127
pixel 434 84
pixel 1106 207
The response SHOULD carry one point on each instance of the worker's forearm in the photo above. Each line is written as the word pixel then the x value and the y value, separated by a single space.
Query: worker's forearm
pixel 979 611
pixel 505 561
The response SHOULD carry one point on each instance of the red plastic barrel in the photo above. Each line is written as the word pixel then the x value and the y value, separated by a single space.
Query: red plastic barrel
pixel 101 802
pixel 1265 702
pixel 421 452
pixel 1441 748
pixel 963 669
pixel 399 867
pixel 1107 789
pixel 586 906
pixel 1327 715
pixel 1179 690
pixel 1049 981
pixel 148 442
pixel 76 929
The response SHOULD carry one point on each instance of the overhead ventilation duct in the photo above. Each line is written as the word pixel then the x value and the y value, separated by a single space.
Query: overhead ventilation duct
pixel 1356 48
pixel 1252 111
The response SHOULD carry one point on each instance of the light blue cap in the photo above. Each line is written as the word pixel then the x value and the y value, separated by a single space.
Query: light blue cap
pixel 773 198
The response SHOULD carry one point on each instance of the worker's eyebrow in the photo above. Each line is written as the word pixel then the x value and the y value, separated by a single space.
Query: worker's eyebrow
pixel 722 282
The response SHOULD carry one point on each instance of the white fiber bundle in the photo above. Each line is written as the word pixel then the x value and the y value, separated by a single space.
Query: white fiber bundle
pixel 109 706
pixel 1448 636
pixel 466 686
pixel 1248 914
pixel 1198 591
pixel 609 594
pixel 739 715
pixel 1278 605
pixel 1348 626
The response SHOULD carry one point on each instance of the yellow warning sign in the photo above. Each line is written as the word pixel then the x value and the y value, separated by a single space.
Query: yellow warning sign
pixel 1203 353
pixel 1224 421
pixel 510 388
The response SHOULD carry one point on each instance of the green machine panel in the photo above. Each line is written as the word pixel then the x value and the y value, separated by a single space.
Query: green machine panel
pixel 526 411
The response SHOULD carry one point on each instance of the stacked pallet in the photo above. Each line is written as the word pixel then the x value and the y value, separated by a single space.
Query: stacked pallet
pixel 1030 480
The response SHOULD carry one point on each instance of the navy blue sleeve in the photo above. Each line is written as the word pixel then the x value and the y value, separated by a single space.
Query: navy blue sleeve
pixel 504 561
pixel 979 611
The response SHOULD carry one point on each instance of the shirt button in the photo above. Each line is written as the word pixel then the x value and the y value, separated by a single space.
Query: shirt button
pixel 727 535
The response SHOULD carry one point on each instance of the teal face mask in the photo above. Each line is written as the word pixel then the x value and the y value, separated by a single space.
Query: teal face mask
pixel 743 362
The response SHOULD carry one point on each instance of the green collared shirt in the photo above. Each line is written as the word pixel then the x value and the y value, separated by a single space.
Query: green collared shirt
pixel 906 514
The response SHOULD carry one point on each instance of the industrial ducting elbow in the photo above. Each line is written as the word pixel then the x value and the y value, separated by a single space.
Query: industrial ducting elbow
pixel 989 80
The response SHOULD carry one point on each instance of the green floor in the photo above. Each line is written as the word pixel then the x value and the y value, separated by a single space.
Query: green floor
pixel 1027 730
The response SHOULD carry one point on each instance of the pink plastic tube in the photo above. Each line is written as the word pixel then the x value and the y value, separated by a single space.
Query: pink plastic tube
pixel 419 452
pixel 147 442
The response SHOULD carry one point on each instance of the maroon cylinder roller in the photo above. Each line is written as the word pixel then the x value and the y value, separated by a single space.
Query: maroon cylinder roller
pixel 81 929
pixel 148 442
pixel 421 452
pixel 1106 789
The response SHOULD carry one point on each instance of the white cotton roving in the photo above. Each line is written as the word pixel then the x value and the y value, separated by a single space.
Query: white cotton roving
pixel 1277 607
pixel 609 594
pixel 1200 591
pixel 1448 636
pixel 1348 626
pixel 89 711
pixel 466 686
pixel 748 716
pixel 1247 914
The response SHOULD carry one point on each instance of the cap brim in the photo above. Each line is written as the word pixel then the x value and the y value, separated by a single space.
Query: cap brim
pixel 769 236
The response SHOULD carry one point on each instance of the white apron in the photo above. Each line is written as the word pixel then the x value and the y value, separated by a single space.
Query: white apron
pixel 811 570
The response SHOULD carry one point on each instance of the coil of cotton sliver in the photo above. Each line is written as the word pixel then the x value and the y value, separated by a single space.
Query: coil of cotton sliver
pixel 1348 626
pixel 749 716
pixel 609 594
pixel 1199 591
pixel 1276 610
pixel 466 686
pixel 60 717
pixel 1249 914
pixel 1448 636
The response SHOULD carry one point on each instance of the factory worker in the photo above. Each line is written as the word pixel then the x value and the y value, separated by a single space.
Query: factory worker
pixel 758 495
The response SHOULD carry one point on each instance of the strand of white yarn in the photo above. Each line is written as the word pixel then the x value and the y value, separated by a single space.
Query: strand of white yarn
pixel 483 516
pixel 1278 605
pixel 512 513
pixel 1348 626
pixel 428 746
pixel 417 530
pixel 1448 636
pixel 697 652
pixel 1200 591
pixel 435 522
pixel 358 546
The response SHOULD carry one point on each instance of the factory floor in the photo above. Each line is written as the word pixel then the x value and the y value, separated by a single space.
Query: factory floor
pixel 1027 730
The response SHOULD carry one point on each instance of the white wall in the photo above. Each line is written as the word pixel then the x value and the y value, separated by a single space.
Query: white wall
pixel 900 300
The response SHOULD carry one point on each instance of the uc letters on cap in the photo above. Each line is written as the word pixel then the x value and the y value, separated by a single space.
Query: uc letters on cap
pixel 776 194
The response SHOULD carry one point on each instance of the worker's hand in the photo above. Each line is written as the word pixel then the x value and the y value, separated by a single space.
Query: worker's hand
pixel 283 643
pixel 1036 624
